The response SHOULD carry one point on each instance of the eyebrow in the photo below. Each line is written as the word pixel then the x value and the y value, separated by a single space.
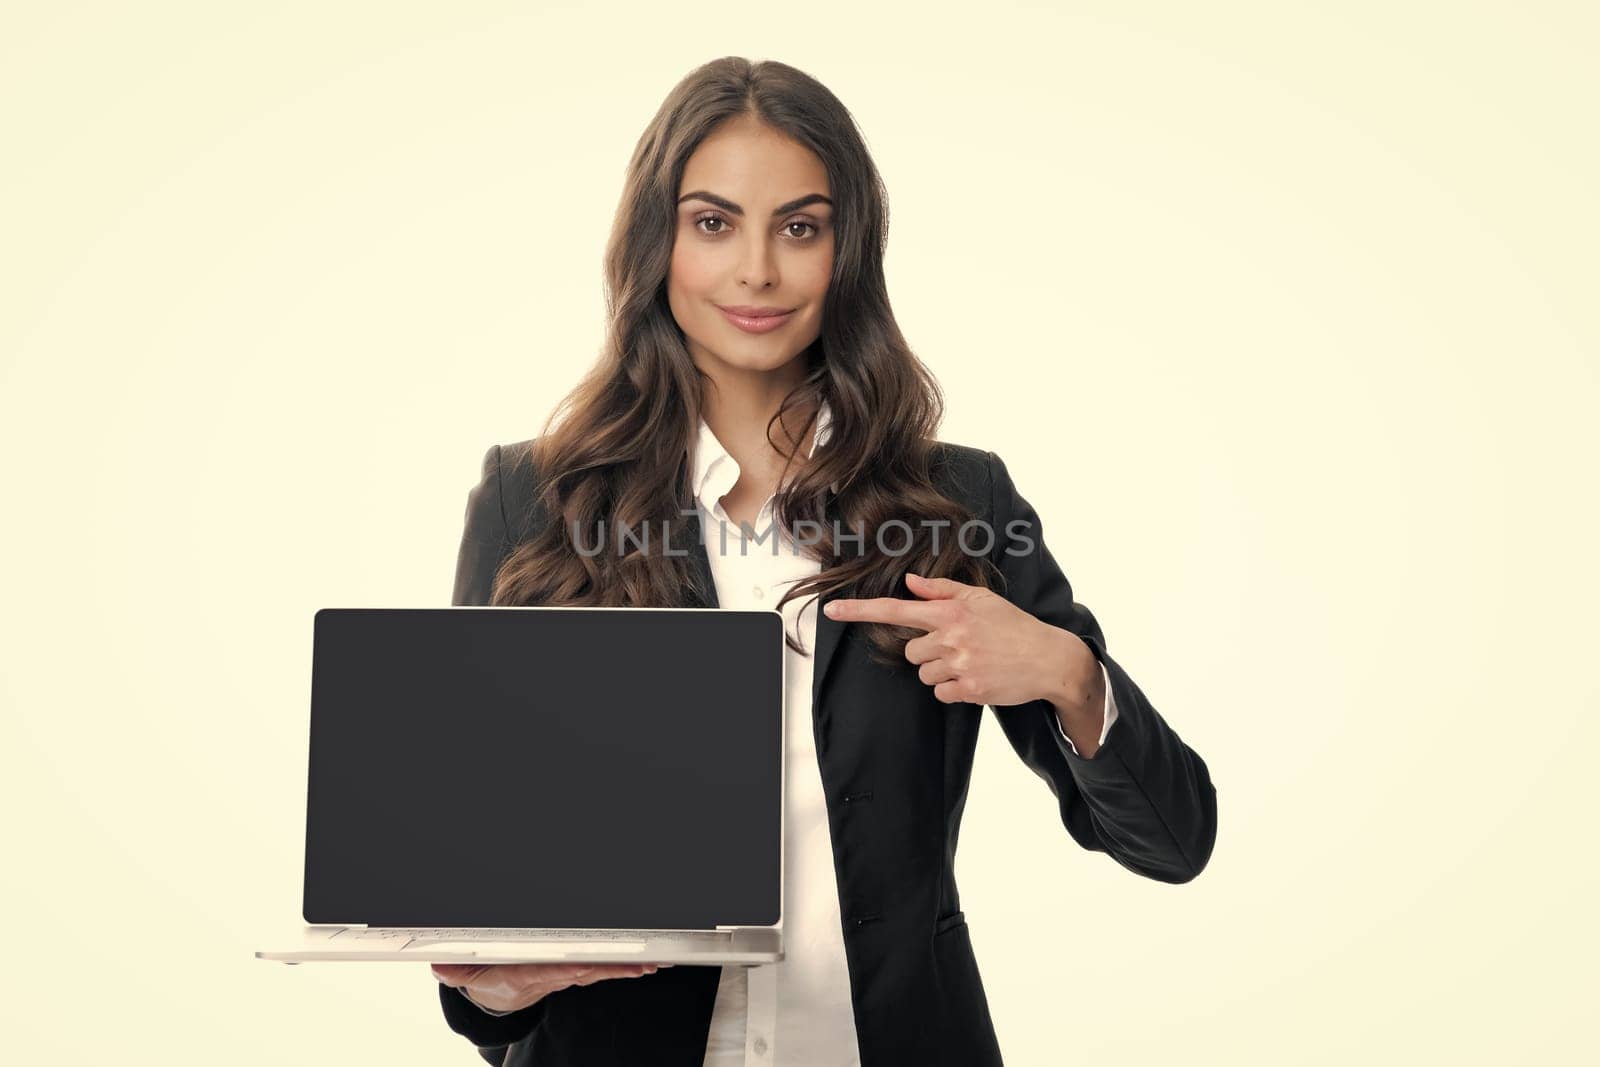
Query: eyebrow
pixel 728 205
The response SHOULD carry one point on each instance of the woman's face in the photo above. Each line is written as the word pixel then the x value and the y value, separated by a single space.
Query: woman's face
pixel 754 229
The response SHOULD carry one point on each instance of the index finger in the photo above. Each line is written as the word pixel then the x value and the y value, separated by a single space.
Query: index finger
pixel 923 614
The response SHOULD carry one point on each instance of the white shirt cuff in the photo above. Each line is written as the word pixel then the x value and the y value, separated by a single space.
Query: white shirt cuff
pixel 480 1007
pixel 1109 713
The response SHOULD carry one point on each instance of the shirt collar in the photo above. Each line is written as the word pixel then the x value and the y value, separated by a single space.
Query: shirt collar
pixel 716 472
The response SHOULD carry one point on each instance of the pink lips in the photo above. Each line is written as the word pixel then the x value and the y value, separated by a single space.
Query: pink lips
pixel 765 321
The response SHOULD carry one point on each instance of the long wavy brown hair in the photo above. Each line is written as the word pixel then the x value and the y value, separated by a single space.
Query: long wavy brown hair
pixel 615 452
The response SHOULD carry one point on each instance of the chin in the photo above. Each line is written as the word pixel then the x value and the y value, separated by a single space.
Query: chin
pixel 771 359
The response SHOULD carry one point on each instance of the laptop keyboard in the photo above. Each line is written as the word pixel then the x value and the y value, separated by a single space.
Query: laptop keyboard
pixel 486 933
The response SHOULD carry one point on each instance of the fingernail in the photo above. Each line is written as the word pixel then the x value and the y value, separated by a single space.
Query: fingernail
pixel 832 609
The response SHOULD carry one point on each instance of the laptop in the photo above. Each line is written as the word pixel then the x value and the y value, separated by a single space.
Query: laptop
pixel 544 784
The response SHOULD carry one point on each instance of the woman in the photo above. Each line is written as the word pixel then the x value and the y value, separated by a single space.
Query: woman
pixel 755 382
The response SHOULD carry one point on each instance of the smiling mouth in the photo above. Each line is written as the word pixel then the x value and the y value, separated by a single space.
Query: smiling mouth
pixel 764 322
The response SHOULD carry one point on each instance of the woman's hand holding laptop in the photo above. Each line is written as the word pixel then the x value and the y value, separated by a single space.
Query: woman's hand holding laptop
pixel 508 987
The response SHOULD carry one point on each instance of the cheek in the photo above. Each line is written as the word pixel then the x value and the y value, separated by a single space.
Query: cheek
pixel 818 271
pixel 693 272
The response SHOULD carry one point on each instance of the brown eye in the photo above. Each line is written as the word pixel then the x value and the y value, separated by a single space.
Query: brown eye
pixel 788 227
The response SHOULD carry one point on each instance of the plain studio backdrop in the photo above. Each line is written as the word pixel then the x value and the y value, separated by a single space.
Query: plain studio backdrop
pixel 1284 321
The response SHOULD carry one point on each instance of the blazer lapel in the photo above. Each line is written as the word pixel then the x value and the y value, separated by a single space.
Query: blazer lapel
pixel 700 562
pixel 829 633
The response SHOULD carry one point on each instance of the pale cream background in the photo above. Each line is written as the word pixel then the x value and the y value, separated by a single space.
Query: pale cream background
pixel 1284 320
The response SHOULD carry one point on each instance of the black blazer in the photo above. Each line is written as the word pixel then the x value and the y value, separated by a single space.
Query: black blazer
pixel 895 763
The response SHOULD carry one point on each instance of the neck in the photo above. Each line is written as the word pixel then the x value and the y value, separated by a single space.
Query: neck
pixel 738 410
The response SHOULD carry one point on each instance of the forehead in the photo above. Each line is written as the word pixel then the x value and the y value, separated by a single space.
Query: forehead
pixel 755 165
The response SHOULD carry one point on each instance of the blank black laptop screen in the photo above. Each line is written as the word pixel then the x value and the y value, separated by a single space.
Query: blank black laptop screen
pixel 545 767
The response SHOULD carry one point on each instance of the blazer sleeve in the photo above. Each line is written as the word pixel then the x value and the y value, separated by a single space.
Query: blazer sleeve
pixel 484 545
pixel 485 542
pixel 1144 797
